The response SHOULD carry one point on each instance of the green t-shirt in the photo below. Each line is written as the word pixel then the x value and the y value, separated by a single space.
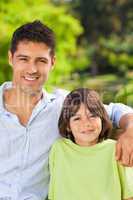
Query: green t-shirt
pixel 88 173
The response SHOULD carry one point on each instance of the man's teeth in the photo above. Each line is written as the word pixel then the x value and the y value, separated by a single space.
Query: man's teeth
pixel 30 78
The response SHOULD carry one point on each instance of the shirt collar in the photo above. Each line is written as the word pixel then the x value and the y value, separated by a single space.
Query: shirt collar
pixel 46 97
pixel 4 86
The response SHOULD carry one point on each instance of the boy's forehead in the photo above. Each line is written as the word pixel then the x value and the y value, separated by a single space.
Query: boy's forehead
pixel 83 109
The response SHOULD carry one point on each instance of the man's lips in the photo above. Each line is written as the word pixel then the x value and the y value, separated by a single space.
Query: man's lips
pixel 30 78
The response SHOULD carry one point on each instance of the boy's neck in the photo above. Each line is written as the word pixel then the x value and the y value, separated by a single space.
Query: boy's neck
pixel 86 144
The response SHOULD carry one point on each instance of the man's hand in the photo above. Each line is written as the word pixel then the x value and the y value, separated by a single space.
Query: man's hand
pixel 124 145
pixel 124 149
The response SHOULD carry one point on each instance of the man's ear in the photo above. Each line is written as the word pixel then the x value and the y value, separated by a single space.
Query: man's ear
pixel 53 60
pixel 10 58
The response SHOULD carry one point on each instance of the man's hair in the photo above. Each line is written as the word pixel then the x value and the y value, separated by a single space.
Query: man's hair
pixel 34 31
pixel 92 102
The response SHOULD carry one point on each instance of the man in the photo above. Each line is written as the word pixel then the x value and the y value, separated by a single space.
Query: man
pixel 29 117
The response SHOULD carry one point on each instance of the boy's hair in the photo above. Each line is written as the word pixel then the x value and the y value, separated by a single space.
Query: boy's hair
pixel 34 31
pixel 92 101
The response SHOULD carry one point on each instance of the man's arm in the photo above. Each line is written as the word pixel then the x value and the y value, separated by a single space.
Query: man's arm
pixel 124 145
pixel 122 116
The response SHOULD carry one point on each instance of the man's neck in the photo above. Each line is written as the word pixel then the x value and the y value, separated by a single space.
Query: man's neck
pixel 20 103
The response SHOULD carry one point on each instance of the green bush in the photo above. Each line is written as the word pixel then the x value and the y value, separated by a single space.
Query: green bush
pixel 66 28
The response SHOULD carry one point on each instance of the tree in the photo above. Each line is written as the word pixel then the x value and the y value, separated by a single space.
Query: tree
pixel 107 22
pixel 66 27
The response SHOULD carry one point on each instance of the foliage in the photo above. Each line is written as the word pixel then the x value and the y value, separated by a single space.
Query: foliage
pixel 103 45
pixel 125 94
pixel 108 32
pixel 14 13
pixel 117 53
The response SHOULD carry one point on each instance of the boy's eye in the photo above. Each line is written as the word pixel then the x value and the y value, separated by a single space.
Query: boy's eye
pixel 92 116
pixel 76 119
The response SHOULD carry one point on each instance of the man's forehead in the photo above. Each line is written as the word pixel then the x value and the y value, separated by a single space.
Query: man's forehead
pixel 29 48
pixel 34 44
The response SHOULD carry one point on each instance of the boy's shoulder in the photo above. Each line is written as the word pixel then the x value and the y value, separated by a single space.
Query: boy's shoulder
pixel 59 142
pixel 109 143
pixel 62 144
pixel 106 147
pixel 58 146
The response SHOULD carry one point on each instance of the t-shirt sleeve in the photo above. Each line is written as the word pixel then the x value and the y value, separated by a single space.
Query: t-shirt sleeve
pixel 51 169
pixel 126 180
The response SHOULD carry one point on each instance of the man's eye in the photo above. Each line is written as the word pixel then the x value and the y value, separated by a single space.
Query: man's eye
pixel 23 59
pixel 43 61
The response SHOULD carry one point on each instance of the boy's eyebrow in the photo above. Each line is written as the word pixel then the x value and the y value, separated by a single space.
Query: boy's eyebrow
pixel 76 115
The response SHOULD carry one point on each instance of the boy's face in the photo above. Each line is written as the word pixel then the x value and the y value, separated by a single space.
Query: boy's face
pixel 31 63
pixel 85 127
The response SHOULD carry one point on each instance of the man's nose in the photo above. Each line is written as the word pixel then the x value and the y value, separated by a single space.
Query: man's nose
pixel 32 68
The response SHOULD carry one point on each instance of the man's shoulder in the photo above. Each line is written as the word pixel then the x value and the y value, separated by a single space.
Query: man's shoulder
pixel 57 94
pixel 60 93
pixel 57 97
pixel 2 88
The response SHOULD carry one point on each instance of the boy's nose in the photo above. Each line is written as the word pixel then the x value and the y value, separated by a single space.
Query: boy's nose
pixel 86 123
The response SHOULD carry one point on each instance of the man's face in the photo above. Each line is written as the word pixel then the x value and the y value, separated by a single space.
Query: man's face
pixel 31 63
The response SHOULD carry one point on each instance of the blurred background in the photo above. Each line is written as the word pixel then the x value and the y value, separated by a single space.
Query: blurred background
pixel 94 43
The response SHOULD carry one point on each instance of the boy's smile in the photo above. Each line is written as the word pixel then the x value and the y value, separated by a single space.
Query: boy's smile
pixel 85 127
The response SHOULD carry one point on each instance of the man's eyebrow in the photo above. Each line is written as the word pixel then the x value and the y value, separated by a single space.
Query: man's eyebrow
pixel 41 57
pixel 37 58
pixel 21 55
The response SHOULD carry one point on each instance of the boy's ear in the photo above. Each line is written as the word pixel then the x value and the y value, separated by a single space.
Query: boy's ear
pixel 68 129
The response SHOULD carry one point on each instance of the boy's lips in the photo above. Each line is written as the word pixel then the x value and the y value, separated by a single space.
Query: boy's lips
pixel 87 132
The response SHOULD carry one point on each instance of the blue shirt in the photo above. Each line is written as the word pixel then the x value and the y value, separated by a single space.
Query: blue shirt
pixel 24 150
